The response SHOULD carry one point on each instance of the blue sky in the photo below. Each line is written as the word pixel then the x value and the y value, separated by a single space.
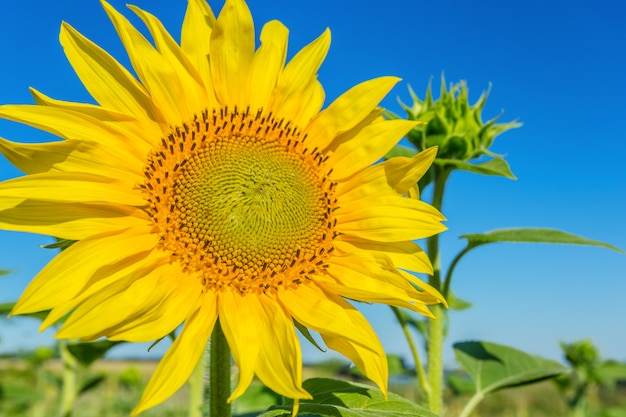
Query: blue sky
pixel 558 67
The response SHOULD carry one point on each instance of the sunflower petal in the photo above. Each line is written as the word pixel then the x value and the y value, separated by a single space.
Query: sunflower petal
pixel 122 274
pixel 106 80
pixel 195 39
pixel 393 219
pixel 70 187
pixel 404 255
pixel 74 268
pixel 367 146
pixel 240 317
pixel 158 75
pixel 232 53
pixel 182 357
pixel 66 156
pixel 361 279
pixel 404 173
pixel 372 361
pixel 298 76
pixel 281 373
pixel 152 296
pixel 72 221
pixel 68 124
pixel 325 312
pixel 179 298
pixel 348 110
pixel 191 81
pixel 268 64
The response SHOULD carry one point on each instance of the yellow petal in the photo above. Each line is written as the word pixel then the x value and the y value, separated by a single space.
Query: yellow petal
pixel 371 361
pixel 70 187
pixel 68 124
pixel 298 76
pixel 232 52
pixel 106 80
pixel 190 80
pixel 404 255
pixel 195 40
pixel 403 173
pixel 73 221
pixel 367 146
pixel 304 104
pixel 80 266
pixel 358 279
pixel 180 298
pixel 66 156
pixel 325 312
pixel 181 358
pixel 348 110
pixel 267 64
pixel 135 133
pixel 124 273
pixel 157 74
pixel 281 372
pixel 238 317
pixel 388 219
pixel 146 301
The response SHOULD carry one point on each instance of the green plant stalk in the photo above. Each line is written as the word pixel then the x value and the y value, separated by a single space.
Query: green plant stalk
pixel 471 404
pixel 70 379
pixel 435 361
pixel 446 282
pixel 435 327
pixel 219 379
pixel 196 388
pixel 421 375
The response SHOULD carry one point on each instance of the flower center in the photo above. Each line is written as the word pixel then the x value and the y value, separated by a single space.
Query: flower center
pixel 241 200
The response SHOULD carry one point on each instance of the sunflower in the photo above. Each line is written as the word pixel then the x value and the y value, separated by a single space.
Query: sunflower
pixel 213 186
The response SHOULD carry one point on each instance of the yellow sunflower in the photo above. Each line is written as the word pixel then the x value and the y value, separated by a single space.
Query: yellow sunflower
pixel 211 186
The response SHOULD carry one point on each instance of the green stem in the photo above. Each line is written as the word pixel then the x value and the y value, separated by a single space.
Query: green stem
pixel 435 360
pixel 196 388
pixel 70 379
pixel 219 382
pixel 446 282
pixel 435 328
pixel 416 357
pixel 471 404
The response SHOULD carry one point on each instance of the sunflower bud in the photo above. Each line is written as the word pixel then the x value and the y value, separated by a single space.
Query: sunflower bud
pixel 452 124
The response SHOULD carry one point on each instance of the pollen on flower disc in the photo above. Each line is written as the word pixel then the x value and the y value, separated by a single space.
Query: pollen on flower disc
pixel 241 200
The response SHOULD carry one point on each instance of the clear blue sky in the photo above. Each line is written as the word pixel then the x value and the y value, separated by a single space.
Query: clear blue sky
pixel 558 67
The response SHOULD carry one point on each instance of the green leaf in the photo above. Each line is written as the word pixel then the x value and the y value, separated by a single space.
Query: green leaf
pixel 455 303
pixel 496 166
pixel 461 384
pixel 92 383
pixel 334 398
pixel 256 399
pixel 59 244
pixel 305 332
pixel 87 353
pixel 609 373
pixel 4 272
pixel 533 235
pixel 494 367
pixel 5 308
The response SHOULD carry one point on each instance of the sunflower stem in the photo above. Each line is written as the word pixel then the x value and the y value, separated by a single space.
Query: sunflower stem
pixel 436 328
pixel 219 379
pixel 196 389
pixel 70 379
pixel 421 375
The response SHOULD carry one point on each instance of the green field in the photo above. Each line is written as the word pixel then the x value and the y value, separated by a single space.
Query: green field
pixel 113 389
